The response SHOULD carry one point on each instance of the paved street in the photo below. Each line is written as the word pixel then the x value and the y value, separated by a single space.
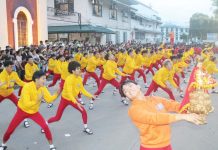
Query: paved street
pixel 112 128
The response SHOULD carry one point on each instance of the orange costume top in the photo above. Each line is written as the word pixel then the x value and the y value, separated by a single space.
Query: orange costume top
pixel 152 119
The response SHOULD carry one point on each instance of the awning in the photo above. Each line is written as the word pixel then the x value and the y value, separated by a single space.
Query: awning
pixel 147 31
pixel 77 29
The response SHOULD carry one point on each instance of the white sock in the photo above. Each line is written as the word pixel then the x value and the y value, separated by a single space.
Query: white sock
pixel 51 146
pixel 91 101
pixel 3 144
pixel 85 126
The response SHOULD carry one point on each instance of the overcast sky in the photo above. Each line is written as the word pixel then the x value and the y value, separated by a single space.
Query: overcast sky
pixel 179 11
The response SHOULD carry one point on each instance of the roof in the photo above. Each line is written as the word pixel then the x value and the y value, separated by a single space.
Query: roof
pixel 77 29
pixel 147 31
pixel 128 2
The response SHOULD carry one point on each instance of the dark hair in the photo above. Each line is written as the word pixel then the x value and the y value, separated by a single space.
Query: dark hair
pixel 58 57
pixel 37 75
pixel 68 58
pixel 96 52
pixel 213 58
pixel 73 65
pixel 8 63
pixel 28 57
pixel 130 51
pixel 144 52
pixel 85 54
pixel 166 62
pixel 106 57
pixel 125 83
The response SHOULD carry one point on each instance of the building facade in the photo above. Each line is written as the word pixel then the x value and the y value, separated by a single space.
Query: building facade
pixel 24 22
pixel 181 34
pixel 119 21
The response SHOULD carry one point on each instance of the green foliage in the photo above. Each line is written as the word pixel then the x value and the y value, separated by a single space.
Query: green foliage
pixel 201 24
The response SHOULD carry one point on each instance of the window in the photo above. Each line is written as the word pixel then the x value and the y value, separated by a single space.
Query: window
pixel 140 21
pixel 124 36
pixel 113 14
pixel 125 16
pixel 139 36
pixel 64 7
pixel 181 30
pixel 117 37
pixel 108 38
pixel 113 11
pixel 97 8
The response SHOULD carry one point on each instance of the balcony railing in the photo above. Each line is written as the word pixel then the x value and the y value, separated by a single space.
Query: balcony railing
pixel 65 16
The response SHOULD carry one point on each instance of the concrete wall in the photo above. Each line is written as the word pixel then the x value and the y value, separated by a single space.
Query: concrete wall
pixel 3 25
pixel 42 20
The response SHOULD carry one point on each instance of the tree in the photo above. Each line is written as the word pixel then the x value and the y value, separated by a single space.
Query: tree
pixel 215 3
pixel 199 25
pixel 184 37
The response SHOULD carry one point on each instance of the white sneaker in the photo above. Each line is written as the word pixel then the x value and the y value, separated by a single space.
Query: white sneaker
pixel 146 85
pixel 115 92
pixel 50 105
pixel 3 147
pixel 214 92
pixel 124 101
pixel 81 101
pixel 26 124
pixel 91 106
pixel 181 95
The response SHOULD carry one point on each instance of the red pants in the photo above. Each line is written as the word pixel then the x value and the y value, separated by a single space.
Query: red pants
pixel 104 82
pixel 55 79
pixel 93 75
pixel 63 104
pixel 101 73
pixel 49 72
pixel 183 75
pixel 149 70
pixel 141 73
pixel 11 97
pixel 154 86
pixel 163 148
pixel 123 78
pixel 20 116
pixel 62 84
pixel 176 80
pixel 155 65
pixel 20 90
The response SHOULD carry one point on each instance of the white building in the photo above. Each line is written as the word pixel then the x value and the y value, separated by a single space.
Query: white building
pixel 180 33
pixel 102 21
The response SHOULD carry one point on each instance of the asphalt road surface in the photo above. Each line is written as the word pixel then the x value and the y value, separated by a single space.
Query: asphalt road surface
pixel 109 121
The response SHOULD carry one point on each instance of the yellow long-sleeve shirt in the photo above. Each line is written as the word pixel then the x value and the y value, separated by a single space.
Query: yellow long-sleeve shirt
pixel 129 66
pixel 147 61
pixel 31 98
pixel 78 57
pixel 57 68
pixel 9 80
pixel 30 70
pixel 211 68
pixel 64 68
pixel 51 64
pixel 110 70
pixel 92 64
pixel 72 87
pixel 121 59
pixel 162 76
pixel 83 62
pixel 139 60
pixel 153 58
